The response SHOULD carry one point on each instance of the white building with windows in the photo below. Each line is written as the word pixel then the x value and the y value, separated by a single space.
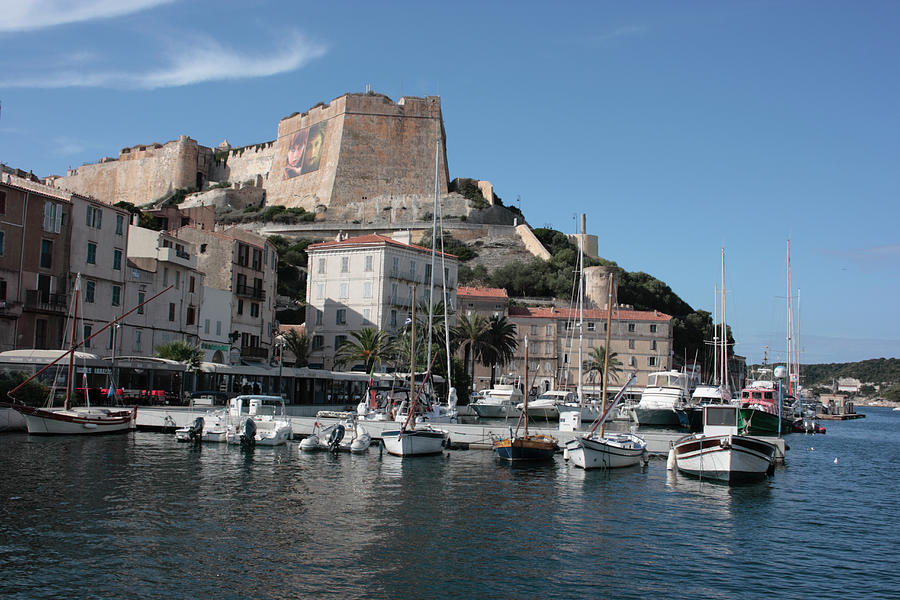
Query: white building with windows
pixel 368 281
pixel 98 249
pixel 157 260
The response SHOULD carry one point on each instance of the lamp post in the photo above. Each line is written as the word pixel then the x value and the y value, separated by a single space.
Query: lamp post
pixel 279 343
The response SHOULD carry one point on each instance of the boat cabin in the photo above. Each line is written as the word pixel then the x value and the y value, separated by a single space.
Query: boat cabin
pixel 667 379
pixel 720 420
pixel 559 396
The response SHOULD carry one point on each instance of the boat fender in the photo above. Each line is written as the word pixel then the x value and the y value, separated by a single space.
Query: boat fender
pixel 670 461
pixel 565 453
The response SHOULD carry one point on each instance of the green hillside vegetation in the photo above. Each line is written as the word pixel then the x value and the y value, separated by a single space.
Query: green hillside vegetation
pixel 882 371
pixel 269 214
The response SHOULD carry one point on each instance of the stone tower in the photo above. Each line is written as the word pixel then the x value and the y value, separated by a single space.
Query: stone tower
pixel 596 286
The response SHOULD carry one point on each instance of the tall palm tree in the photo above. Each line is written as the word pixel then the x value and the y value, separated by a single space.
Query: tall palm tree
pixel 595 360
pixel 470 334
pixel 368 345
pixel 183 352
pixel 298 345
pixel 500 344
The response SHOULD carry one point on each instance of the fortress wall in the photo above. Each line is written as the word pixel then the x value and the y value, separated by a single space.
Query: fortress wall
pixel 245 164
pixel 140 175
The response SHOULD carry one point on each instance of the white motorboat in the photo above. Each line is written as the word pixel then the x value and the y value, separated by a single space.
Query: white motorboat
pixel 422 441
pixel 270 425
pixel 498 402
pixel 665 394
pixel 719 453
pixel 348 435
pixel 546 406
pixel 213 428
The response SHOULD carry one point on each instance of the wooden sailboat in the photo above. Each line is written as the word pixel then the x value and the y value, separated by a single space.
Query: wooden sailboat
pixel 72 418
pixel 525 447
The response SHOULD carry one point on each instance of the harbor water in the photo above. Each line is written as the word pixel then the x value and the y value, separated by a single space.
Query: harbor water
pixel 140 516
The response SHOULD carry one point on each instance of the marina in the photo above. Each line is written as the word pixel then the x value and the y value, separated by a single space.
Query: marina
pixel 167 515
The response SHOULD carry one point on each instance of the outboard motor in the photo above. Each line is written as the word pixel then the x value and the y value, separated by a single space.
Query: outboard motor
pixel 248 434
pixel 195 433
pixel 335 437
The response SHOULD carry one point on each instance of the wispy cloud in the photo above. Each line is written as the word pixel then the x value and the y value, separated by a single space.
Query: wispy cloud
pixel 871 256
pixel 619 32
pixel 29 15
pixel 203 61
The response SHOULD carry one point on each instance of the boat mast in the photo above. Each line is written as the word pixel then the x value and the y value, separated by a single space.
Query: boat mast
pixel 790 322
pixel 433 247
pixel 437 156
pixel 579 388
pixel 724 353
pixel 412 353
pixel 70 382
pixel 715 378
pixel 525 402
pixel 606 351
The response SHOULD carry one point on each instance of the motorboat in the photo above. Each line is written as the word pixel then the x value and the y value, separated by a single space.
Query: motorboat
pixel 267 413
pixel 546 406
pixel 719 453
pixel 705 394
pixel 760 413
pixel 192 433
pixel 666 394
pixel 347 435
pixel 421 441
pixel 498 402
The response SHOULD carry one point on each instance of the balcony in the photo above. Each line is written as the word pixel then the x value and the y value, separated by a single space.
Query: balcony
pixel 250 292
pixel 45 302
pixel 254 353
pixel 10 309
pixel 401 301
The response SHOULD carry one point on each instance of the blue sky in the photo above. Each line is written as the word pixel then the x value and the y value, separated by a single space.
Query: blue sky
pixel 679 128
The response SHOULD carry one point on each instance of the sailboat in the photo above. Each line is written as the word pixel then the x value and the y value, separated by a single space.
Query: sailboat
pixel 419 439
pixel 525 447
pixel 72 418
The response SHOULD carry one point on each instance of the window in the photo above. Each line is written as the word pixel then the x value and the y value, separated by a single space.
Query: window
pixel 193 282
pixel 46 254
pixel 52 217
pixel 243 255
pixel 116 295
pixel 117 259
pixel 534 330
pixel 137 340
pixel 89 288
pixel 2 289
pixel 345 264
pixel 339 341
pixel 120 224
pixel 206 326
pixel 632 361
pixel 549 329
pixel 631 328
pixel 254 309
pixel 394 293
pixel 171 311
pixel 191 314
pixel 631 344
pixel 427 272
pixel 109 343
pixel 92 253
pixel 177 280
pixel 367 315
pixel 653 328
pixel 367 289
pixel 393 318
pixel 395 266
pixel 321 265
pixel 218 327
pixel 412 270
pixel 165 276
pixel 240 308
pixel 569 325
pixel 344 290
pixel 87 334
pixel 142 296
pixel 318 316
pixel 2 203
pixel 369 262
pixel 548 348
pixel 591 326
pixel 653 345
pixel 651 361
pixel 1 243
pixel 257 259
pixel 341 316
pixel 317 342
pixel 94 217
pixel 320 290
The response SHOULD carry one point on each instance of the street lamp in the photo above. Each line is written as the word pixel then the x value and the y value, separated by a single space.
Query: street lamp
pixel 279 343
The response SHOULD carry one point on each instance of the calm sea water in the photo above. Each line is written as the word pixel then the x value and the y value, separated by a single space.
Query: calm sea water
pixel 140 516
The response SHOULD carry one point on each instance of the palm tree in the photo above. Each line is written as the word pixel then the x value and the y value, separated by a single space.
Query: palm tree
pixel 298 345
pixel 183 352
pixel 368 345
pixel 470 334
pixel 596 359
pixel 500 344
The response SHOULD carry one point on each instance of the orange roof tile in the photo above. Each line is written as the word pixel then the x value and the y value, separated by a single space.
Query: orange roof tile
pixel 373 239
pixel 480 292
pixel 594 314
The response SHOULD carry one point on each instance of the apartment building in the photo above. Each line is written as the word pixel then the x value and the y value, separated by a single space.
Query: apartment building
pixel 368 281
pixel 157 260
pixel 245 265
pixel 486 302
pixel 35 231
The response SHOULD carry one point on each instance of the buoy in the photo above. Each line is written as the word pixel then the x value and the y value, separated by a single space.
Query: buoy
pixel 835 460
pixel 670 462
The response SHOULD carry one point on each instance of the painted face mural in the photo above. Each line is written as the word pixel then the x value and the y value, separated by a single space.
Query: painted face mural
pixel 294 159
pixel 314 146
pixel 305 150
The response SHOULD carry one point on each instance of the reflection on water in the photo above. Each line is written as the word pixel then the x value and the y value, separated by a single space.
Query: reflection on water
pixel 139 516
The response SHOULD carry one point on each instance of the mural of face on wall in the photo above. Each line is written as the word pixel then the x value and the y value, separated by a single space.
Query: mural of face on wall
pixel 294 159
pixel 315 143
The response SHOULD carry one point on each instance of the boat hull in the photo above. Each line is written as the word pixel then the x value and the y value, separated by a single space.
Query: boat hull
pixel 418 442
pixel 753 421
pixel 623 450
pixel 725 458
pixel 494 411
pixel 657 417
pixel 531 448
pixel 78 421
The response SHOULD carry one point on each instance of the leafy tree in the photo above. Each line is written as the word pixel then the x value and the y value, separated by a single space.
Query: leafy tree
pixel 368 345
pixel 298 345
pixel 187 354
pixel 34 393
pixel 594 363
pixel 500 344
pixel 470 333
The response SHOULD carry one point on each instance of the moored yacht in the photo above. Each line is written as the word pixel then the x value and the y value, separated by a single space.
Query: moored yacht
pixel 498 402
pixel 665 394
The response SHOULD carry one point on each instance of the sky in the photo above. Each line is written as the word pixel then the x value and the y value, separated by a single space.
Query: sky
pixel 678 128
